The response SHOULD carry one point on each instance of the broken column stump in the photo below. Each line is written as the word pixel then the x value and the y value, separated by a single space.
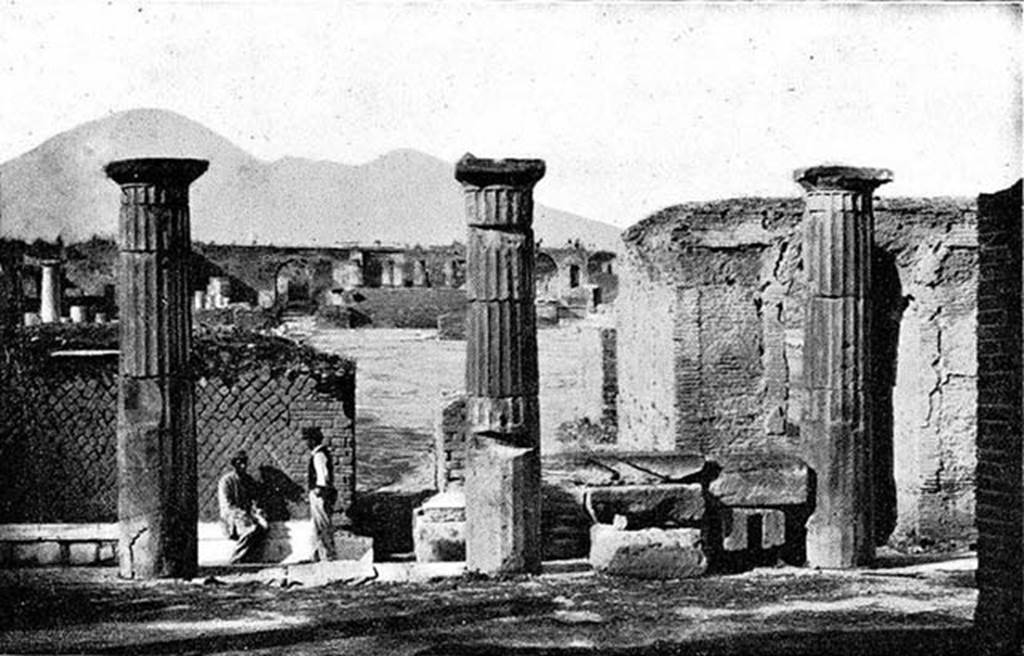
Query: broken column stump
pixel 503 460
pixel 156 440
pixel 49 291
pixel 836 431
pixel 650 553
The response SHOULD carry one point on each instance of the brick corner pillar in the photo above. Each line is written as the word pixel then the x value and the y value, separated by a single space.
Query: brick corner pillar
pixel 156 443
pixel 1000 512
pixel 502 413
pixel 838 228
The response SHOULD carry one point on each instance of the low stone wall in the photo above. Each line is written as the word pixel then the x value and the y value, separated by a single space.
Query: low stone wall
pixel 409 307
pixel 35 545
pixel 58 420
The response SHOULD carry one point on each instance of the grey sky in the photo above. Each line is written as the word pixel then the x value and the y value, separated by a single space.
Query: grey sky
pixel 634 106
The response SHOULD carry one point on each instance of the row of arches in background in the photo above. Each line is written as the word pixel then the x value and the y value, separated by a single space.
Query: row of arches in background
pixel 299 281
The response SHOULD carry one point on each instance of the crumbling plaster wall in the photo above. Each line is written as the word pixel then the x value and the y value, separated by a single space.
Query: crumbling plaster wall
pixel 710 321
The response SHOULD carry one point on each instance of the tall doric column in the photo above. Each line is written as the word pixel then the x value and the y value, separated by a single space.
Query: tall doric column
pixel 49 292
pixel 838 229
pixel 156 440
pixel 503 458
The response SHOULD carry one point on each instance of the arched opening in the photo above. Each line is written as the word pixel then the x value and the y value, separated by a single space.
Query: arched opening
pixel 294 286
pixel 545 272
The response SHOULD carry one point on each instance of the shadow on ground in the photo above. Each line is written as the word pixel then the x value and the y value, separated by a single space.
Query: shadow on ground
pixel 903 642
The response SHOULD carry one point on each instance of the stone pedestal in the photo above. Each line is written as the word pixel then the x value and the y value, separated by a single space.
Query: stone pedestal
pixel 49 292
pixel 651 553
pixel 79 314
pixel 503 460
pixel 156 442
pixel 836 429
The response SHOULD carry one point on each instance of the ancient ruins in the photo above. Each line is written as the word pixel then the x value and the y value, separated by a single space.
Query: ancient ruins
pixel 758 382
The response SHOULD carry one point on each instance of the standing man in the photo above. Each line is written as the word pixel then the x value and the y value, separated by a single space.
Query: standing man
pixel 242 519
pixel 322 494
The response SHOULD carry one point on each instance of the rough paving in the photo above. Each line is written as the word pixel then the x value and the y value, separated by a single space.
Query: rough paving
pixel 918 609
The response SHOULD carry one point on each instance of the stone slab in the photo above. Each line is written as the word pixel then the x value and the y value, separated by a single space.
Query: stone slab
pixel 629 468
pixel 646 506
pixel 647 554
pixel 761 479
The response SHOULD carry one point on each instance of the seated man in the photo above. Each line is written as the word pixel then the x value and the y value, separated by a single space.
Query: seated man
pixel 242 519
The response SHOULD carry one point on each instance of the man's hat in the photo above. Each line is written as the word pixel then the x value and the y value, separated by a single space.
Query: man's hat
pixel 241 456
pixel 312 434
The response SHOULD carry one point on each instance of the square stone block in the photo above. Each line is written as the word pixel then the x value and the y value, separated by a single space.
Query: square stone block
pixel 107 551
pixel 647 554
pixel 646 506
pixel 503 519
pixel 83 553
pixel 439 528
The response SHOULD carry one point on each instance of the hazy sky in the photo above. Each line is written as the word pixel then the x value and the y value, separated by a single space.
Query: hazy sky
pixel 634 106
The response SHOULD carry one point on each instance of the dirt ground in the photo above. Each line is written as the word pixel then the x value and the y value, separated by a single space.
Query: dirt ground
pixel 402 375
pixel 924 608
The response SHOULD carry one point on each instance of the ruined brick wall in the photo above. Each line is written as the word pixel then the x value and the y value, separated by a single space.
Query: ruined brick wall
pixel 711 297
pixel 450 443
pixel 999 340
pixel 58 438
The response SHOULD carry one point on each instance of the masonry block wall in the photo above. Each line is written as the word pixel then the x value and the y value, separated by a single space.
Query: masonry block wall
pixel 710 332
pixel 1000 339
pixel 58 440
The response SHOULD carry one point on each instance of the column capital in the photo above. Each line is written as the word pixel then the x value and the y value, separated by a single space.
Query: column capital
pixel 478 172
pixel 155 170
pixel 841 178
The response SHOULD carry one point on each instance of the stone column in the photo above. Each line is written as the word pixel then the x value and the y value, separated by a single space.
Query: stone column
pixel 838 231
pixel 156 442
pixel 49 292
pixel 503 459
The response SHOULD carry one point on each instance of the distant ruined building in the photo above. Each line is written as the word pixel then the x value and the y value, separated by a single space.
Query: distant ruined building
pixel 294 279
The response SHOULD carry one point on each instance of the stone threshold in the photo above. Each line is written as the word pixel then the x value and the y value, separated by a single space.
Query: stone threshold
pixel 96 543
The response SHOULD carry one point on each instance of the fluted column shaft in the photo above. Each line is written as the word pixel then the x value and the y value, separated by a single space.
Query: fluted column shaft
pixel 156 442
pixel 836 433
pixel 49 292
pixel 503 459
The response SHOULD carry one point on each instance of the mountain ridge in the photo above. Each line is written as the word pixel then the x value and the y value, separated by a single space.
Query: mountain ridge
pixel 403 196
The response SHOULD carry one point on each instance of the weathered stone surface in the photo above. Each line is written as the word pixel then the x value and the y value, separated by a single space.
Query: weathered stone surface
pixel 647 554
pixel 647 505
pixel 83 553
pixel 502 508
pixel 752 528
pixel 156 443
pixel 838 228
pixel 503 482
pixel 439 528
pixel 637 468
pixel 761 479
